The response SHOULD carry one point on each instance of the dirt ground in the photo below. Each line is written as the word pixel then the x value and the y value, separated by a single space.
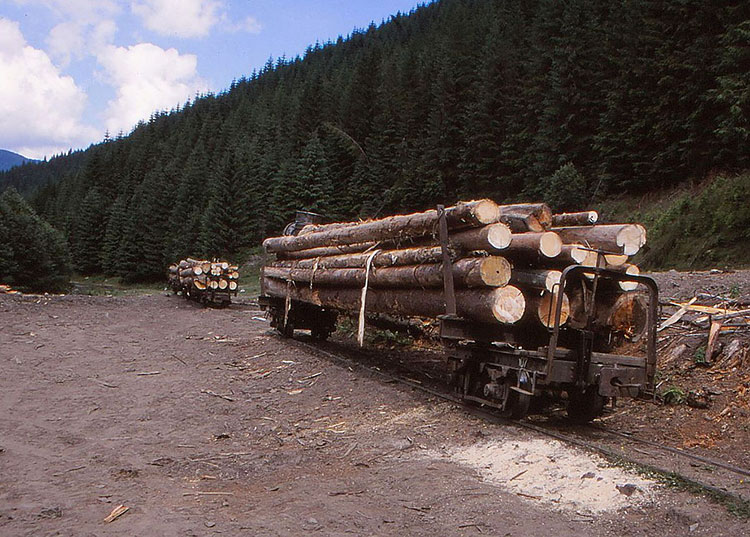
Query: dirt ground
pixel 203 422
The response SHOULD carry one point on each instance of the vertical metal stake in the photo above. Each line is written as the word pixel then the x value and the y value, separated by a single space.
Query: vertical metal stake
pixel 448 287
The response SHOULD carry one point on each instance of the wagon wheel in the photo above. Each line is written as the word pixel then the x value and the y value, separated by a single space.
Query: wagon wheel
pixel 519 398
pixel 585 405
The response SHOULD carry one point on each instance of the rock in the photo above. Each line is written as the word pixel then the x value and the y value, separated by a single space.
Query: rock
pixel 698 399
pixel 627 489
pixel 209 523
pixel 52 512
pixel 588 475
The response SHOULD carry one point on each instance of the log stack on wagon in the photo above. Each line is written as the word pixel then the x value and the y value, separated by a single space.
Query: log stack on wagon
pixel 505 262
pixel 205 281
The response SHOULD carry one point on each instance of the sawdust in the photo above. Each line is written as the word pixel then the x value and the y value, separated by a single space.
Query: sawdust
pixel 550 472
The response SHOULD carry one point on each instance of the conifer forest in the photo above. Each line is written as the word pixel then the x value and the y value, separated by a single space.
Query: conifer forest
pixel 563 102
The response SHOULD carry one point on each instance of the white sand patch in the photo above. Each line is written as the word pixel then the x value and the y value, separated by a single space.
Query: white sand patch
pixel 549 471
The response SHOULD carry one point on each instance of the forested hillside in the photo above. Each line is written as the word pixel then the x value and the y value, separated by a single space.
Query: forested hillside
pixel 511 99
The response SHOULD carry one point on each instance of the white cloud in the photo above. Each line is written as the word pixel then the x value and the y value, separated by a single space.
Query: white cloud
pixel 148 78
pixel 40 109
pixel 250 25
pixel 180 18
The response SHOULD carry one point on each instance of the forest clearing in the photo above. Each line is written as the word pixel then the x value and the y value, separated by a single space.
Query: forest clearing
pixel 209 423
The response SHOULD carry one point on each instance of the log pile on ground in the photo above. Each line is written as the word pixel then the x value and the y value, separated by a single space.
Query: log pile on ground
pixel 203 280
pixel 506 262
pixel 8 290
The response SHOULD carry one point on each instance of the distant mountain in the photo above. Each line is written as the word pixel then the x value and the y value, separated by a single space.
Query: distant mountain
pixel 9 159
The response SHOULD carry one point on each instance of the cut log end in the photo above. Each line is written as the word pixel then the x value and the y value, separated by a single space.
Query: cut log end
pixel 550 244
pixel 495 271
pixel 546 309
pixel 499 236
pixel 631 238
pixel 486 212
pixel 509 304
pixel 631 270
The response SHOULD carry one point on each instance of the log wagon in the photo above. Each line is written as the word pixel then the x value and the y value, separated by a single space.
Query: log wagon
pixel 531 306
pixel 208 282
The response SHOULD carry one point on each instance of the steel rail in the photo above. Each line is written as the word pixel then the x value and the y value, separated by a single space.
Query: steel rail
pixel 501 420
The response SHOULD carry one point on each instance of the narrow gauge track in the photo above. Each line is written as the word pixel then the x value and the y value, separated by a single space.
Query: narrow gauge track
pixel 725 482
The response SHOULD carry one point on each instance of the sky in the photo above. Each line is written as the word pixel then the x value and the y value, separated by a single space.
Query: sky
pixel 73 70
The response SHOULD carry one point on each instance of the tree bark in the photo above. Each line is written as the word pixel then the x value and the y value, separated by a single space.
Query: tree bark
pixel 496 305
pixel 468 272
pixel 392 228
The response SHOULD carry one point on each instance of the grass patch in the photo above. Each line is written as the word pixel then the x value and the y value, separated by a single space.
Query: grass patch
pixel 100 285
pixel 691 228
pixel 734 504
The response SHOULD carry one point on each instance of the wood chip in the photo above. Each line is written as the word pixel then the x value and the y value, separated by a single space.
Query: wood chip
pixel 116 513
pixel 214 394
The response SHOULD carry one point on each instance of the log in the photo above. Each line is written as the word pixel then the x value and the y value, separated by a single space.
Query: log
pixel 523 217
pixel 624 239
pixel 543 307
pixel 490 305
pixel 462 215
pixel 533 249
pixel 327 251
pixel 491 238
pixel 572 254
pixel 624 313
pixel 631 270
pixel 388 258
pixel 536 278
pixel 584 218
pixel 490 271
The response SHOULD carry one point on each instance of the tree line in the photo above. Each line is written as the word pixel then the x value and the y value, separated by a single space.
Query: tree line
pixel 565 102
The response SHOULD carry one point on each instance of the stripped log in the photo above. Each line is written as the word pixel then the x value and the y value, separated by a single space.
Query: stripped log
pixel 491 238
pixel 624 239
pixel 584 218
pixel 490 271
pixel 388 258
pixel 489 305
pixel 328 251
pixel 393 228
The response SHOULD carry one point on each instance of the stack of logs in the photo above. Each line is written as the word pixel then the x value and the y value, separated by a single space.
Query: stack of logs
pixel 506 261
pixel 200 278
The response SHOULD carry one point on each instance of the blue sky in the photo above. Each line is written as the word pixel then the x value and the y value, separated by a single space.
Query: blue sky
pixel 71 70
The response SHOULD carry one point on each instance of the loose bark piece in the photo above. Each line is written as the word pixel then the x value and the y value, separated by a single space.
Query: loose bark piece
pixel 713 338
pixel 400 227
pixel 584 218
pixel 488 305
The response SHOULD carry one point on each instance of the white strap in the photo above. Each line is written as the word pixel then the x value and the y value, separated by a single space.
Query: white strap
pixel 361 329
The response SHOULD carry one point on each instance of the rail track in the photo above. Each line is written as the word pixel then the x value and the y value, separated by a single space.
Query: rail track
pixel 722 481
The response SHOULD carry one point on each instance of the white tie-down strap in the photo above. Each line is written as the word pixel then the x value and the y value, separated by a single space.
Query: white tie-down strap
pixel 361 329
pixel 287 302
pixel 314 270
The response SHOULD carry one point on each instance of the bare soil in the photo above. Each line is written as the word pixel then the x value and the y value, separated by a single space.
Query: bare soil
pixel 204 422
